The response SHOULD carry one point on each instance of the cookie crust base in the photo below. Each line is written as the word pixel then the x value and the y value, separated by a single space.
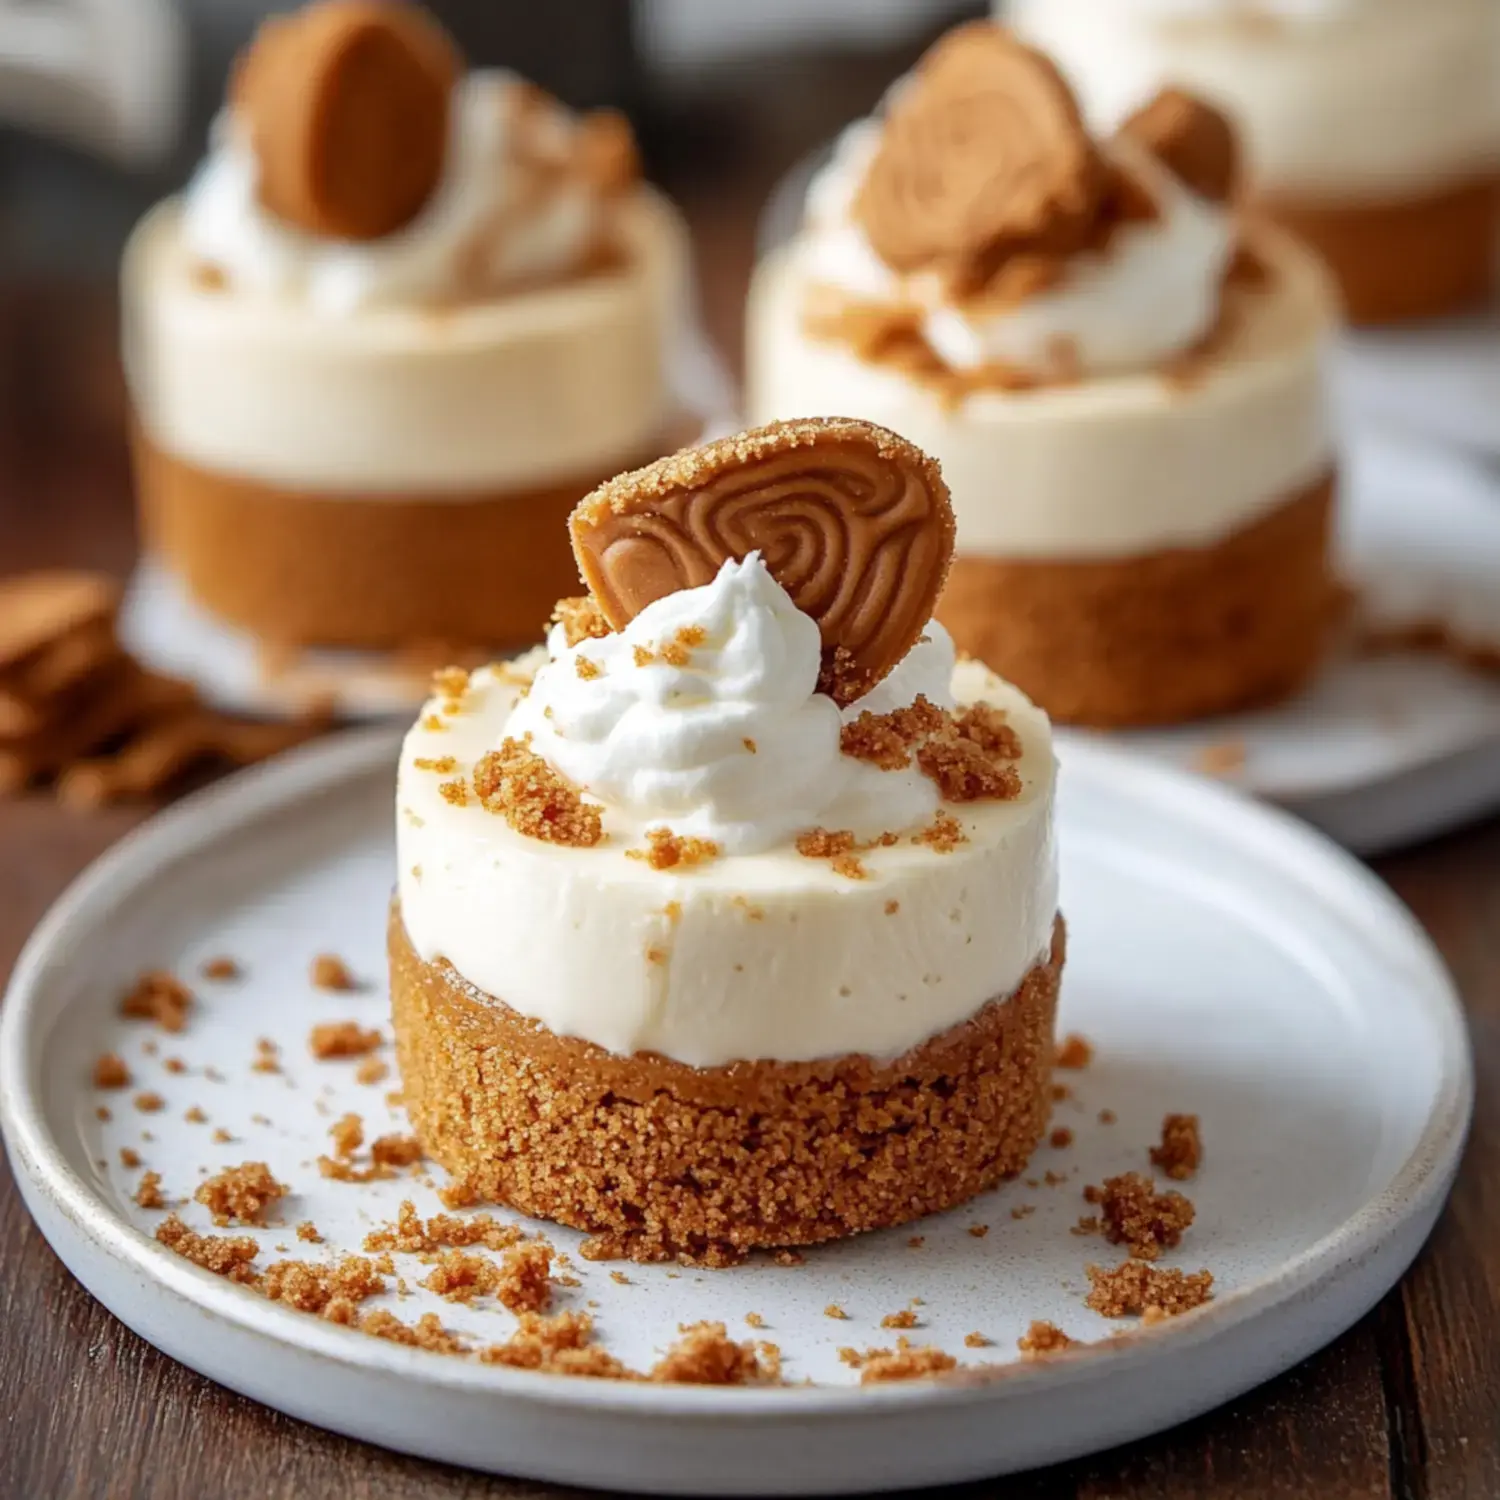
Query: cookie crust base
pixel 1396 262
pixel 1162 638
pixel 300 568
pixel 663 1161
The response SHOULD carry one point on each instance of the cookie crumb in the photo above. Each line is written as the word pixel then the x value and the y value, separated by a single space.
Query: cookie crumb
pixel 1074 1051
pixel 535 800
pixel 220 1136
pixel 1043 1338
pixel 706 1355
pixel 129 1157
pixel 944 834
pixel 525 1278
pixel 342 1039
pixel 160 997
pixel 309 1233
pixel 222 1254
pixel 976 1341
pixel 1132 1289
pixel 148 1191
pixel 1181 1150
pixel 754 1320
pixel 906 1318
pixel 372 1070
pixel 833 1310
pixel 267 1057
pixel 222 967
pixel 1134 1214
pixel 905 1362
pixel 1061 1138
pixel 581 620
pixel 1107 1117
pixel 110 1072
pixel 666 850
pixel 979 1230
pixel 243 1192
pixel 149 1102
pixel 348 1135
pixel 330 972
pixel 194 1115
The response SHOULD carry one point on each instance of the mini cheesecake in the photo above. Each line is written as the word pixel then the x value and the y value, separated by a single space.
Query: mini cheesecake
pixel 369 387
pixel 733 924
pixel 1372 126
pixel 1125 385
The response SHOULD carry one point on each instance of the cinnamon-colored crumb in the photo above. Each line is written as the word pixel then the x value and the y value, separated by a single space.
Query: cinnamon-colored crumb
pixel 1181 1148
pixel 267 1057
pixel 160 997
pixel 666 850
pixel 581 619
pixel 309 1233
pixel 754 1320
pixel 944 834
pixel 433 723
pixel 963 771
pixel 330 972
pixel 426 1333
pixel 833 1310
pixel 979 1230
pixel 906 1318
pixel 372 1070
pixel 1043 1338
pixel 1061 1091
pixel 967 757
pixel 129 1157
pixel 444 765
pixel 525 1280
pixel 1023 1211
pixel 110 1072
pixel 916 1242
pixel 706 1355
pixel 559 1345
pixel 148 1191
pixel 518 785
pixel 887 740
pixel 222 967
pixel 824 843
pixel 348 1135
pixel 312 1289
pixel 1087 1224
pixel 149 1102
pixel 1074 1051
pixel 341 1039
pixel 243 1192
pixel 1132 1289
pixel 194 1115
pixel 1060 1138
pixel 395 1150
pixel 103 1112
pixel 976 1341
pixel 1134 1214
pixel 220 1135
pixel 411 1235
pixel 985 725
pixel 450 682
pixel 850 866
pixel 455 793
pixel 586 669
pixel 175 1065
pixel 461 1275
pixel 903 1363
pixel 224 1255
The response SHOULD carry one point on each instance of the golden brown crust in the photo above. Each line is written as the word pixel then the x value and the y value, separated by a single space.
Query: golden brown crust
pixel 347 104
pixel 1420 258
pixel 1162 638
pixel 983 154
pixel 307 569
pixel 853 521
pixel 1192 139
pixel 664 1160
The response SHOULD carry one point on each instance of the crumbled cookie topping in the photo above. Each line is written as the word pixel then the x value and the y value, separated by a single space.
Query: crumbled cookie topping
pixel 666 850
pixel 1132 1289
pixel 158 996
pixel 1134 1214
pixel 243 1192
pixel 1181 1149
pixel 515 782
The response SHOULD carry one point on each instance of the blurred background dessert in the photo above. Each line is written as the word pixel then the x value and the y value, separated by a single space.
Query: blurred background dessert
pixel 1122 378
pixel 1372 126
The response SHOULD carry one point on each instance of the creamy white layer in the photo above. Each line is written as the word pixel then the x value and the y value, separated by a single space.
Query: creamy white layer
pixel 1153 293
pixel 542 385
pixel 1364 100
pixel 506 213
pixel 763 955
pixel 1109 467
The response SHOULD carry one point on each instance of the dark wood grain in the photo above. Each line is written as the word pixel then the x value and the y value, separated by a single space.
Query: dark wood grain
pixel 1404 1406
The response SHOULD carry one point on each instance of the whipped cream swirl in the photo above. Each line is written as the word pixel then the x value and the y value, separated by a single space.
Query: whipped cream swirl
pixel 729 739
pixel 494 221
pixel 1153 292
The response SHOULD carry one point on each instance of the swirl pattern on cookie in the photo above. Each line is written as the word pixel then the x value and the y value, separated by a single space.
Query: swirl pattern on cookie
pixel 854 523
pixel 347 104
pixel 983 154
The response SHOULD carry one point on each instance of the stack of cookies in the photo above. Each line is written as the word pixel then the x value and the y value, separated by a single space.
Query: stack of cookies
pixel 79 712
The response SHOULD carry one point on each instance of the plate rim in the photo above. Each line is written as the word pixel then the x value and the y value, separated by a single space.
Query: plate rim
pixel 183 831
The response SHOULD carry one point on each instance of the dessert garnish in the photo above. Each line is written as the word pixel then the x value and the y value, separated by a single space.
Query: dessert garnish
pixel 852 521
pixel 983 154
pixel 347 104
pixel 1192 139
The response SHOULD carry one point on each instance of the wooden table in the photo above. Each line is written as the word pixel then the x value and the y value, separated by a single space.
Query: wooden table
pixel 1406 1405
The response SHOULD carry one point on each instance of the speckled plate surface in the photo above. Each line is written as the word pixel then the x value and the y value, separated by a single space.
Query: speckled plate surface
pixel 1223 960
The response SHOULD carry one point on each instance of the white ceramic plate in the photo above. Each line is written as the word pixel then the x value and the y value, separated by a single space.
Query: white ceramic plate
pixel 1223 959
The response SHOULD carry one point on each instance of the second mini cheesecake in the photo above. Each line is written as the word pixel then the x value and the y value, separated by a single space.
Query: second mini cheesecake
pixel 1123 379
